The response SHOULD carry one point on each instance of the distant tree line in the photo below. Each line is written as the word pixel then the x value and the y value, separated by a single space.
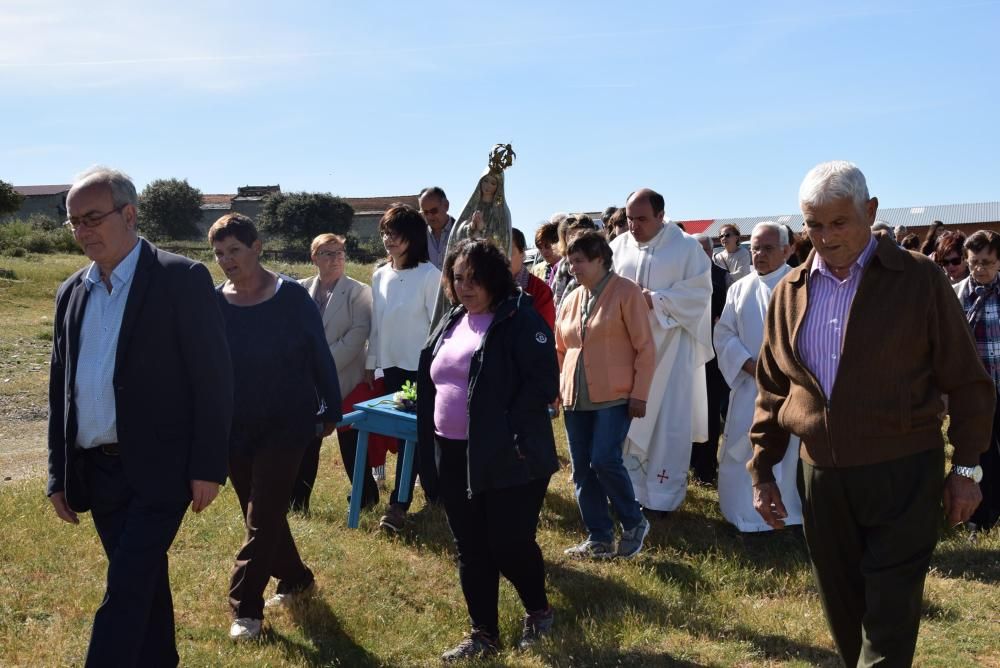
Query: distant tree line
pixel 170 210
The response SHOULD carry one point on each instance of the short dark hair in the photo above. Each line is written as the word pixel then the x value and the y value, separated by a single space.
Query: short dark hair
pixel 911 242
pixel 618 219
pixel 591 245
pixel 490 268
pixel 406 222
pixel 547 233
pixel 574 221
pixel 949 242
pixel 434 191
pixel 983 239
pixel 656 200
pixel 608 212
pixel 233 225
pixel 517 238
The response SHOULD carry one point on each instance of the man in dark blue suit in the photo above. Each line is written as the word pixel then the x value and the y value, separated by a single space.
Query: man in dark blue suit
pixel 140 405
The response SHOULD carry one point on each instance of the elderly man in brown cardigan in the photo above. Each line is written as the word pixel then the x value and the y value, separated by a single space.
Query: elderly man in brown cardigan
pixel 861 342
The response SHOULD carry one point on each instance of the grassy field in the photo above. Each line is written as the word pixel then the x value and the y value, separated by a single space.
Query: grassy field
pixel 700 595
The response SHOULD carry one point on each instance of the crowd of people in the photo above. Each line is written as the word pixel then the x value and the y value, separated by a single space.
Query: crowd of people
pixel 643 337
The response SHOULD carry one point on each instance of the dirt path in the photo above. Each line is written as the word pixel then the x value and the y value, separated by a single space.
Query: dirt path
pixel 23 451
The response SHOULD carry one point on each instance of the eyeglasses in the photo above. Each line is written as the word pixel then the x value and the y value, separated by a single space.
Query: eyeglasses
pixel 953 261
pixel 982 264
pixel 336 255
pixel 391 236
pixel 92 220
pixel 728 234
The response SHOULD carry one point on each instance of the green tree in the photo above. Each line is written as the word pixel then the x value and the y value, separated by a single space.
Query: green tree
pixel 10 199
pixel 302 216
pixel 169 209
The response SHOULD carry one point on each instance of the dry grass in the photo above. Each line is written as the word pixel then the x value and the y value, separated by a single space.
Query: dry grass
pixel 700 595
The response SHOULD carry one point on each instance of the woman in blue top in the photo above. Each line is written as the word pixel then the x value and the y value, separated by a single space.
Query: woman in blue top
pixel 285 393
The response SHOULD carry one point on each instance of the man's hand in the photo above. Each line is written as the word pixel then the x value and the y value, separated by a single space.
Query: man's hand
pixel 328 428
pixel 203 492
pixel 750 367
pixel 554 408
pixel 767 502
pixel 961 498
pixel 636 408
pixel 63 510
pixel 369 378
pixel 648 296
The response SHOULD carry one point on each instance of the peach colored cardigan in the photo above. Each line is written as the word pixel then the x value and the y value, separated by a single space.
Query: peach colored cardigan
pixel 619 356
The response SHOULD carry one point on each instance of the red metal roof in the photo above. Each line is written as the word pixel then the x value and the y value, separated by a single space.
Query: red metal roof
pixel 217 199
pixel 696 226
pixel 29 191
pixel 380 204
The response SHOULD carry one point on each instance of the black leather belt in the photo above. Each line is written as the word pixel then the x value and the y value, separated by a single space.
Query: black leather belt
pixel 109 449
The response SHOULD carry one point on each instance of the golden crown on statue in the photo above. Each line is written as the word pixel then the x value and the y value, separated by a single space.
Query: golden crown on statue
pixel 501 157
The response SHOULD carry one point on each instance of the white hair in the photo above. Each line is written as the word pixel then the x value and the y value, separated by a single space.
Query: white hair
pixel 120 184
pixel 771 225
pixel 704 239
pixel 834 180
pixel 881 225
pixel 558 217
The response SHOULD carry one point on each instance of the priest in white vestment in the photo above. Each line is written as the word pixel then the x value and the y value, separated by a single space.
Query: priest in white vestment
pixel 675 275
pixel 738 338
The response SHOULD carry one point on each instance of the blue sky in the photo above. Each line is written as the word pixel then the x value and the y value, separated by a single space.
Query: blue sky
pixel 721 106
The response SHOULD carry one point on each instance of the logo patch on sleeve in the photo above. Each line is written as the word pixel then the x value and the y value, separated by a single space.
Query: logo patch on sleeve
pixel 540 337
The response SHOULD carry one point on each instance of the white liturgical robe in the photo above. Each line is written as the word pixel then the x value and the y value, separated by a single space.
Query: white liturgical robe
pixel 657 451
pixel 738 337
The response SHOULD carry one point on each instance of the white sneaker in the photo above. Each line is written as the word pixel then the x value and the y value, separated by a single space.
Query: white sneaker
pixel 245 628
pixel 287 600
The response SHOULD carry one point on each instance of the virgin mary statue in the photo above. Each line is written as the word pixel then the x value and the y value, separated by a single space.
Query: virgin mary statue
pixel 485 216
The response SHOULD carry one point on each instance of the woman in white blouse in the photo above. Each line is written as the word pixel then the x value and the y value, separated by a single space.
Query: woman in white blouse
pixel 404 290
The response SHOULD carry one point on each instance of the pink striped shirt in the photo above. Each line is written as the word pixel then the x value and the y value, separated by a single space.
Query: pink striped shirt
pixel 821 340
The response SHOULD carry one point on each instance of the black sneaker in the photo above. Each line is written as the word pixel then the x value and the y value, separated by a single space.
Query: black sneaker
pixel 536 625
pixel 394 518
pixel 477 644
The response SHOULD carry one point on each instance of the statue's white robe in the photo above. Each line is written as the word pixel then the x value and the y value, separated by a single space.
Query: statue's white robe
pixel 738 337
pixel 657 450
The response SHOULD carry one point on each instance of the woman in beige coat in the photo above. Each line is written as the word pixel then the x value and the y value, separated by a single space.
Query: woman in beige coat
pixel 346 308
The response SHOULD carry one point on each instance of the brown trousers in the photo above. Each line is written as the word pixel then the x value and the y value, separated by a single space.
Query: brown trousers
pixel 871 531
pixel 263 480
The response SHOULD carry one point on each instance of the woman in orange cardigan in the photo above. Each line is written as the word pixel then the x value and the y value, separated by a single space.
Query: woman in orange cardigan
pixel 606 356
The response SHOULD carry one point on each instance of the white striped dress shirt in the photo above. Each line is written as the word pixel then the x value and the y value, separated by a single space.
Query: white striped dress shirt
pixel 821 340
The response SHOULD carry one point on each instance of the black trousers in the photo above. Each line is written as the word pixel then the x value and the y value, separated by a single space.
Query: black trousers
pixel 134 625
pixel 263 479
pixel 871 531
pixel 705 456
pixel 494 532
pixel 988 512
pixel 306 479
pixel 423 458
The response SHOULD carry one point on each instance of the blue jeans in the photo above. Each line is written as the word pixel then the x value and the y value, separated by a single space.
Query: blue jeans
pixel 595 444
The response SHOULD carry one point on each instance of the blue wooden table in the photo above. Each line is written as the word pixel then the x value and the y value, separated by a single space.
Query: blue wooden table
pixel 379 416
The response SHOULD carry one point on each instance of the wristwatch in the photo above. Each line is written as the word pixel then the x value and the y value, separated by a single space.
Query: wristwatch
pixel 973 473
